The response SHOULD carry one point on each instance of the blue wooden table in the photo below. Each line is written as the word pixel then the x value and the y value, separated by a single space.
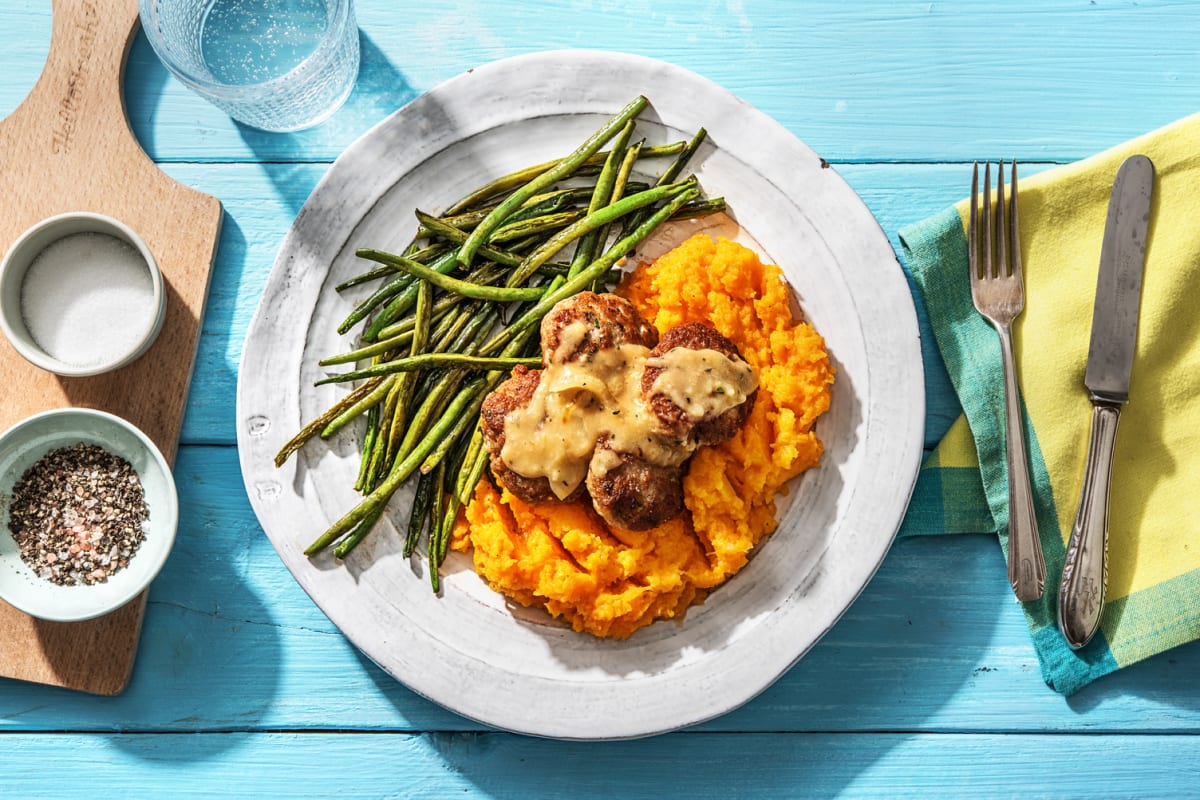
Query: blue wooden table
pixel 927 687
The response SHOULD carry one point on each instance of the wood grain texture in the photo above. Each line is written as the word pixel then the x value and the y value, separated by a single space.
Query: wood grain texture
pixel 928 687
pixel 875 81
pixel 68 147
pixel 935 644
pixel 704 767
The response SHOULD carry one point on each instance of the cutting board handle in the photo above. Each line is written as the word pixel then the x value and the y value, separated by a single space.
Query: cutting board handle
pixel 77 102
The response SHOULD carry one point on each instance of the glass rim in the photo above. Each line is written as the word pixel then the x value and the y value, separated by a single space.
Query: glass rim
pixel 147 12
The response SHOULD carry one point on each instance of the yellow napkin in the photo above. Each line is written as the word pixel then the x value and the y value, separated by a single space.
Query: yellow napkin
pixel 1153 599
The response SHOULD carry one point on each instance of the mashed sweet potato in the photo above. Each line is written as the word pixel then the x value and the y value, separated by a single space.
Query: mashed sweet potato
pixel 607 582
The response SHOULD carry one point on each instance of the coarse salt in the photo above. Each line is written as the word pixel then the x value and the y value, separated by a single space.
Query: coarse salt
pixel 87 299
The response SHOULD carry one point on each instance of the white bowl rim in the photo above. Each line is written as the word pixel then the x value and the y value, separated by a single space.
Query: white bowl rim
pixel 37 356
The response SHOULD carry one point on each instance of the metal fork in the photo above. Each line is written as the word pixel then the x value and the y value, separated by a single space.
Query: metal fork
pixel 998 291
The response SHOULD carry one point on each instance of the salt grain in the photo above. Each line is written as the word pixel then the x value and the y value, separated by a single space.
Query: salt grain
pixel 87 299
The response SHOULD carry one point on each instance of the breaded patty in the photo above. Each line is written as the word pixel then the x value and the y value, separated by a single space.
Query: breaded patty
pixel 706 430
pixel 608 321
pixel 630 493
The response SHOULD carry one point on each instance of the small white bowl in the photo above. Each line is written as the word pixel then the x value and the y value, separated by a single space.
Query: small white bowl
pixel 16 264
pixel 24 444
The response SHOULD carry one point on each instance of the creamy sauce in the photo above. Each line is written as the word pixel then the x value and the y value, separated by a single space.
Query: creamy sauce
pixel 704 383
pixel 570 336
pixel 579 402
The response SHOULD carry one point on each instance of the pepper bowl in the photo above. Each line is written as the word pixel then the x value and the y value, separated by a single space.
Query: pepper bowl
pixel 23 445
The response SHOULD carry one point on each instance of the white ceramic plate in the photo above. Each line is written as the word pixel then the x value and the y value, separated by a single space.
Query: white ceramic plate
pixel 468 649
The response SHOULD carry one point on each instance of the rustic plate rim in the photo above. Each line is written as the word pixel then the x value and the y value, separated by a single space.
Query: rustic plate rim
pixel 898 355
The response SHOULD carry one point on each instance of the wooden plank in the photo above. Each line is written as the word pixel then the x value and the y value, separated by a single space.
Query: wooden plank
pixel 878 81
pixel 935 643
pixel 920 98
pixel 232 644
pixel 50 147
pixel 698 766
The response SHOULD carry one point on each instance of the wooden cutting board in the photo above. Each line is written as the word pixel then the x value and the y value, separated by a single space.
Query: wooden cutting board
pixel 68 147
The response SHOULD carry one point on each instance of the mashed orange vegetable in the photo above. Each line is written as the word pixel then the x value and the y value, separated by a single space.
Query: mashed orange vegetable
pixel 561 556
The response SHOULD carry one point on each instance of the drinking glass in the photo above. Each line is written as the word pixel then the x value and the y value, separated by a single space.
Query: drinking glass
pixel 278 65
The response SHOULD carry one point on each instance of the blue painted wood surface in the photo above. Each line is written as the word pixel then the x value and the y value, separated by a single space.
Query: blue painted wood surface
pixel 927 687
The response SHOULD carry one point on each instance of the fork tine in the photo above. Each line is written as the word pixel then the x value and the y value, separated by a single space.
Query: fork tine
pixel 1014 234
pixel 1002 270
pixel 987 220
pixel 973 232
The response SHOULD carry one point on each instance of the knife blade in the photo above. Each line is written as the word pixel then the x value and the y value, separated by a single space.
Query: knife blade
pixel 1119 284
pixel 1109 367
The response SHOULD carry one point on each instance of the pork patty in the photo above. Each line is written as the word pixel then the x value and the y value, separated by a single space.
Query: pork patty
pixel 610 321
pixel 630 493
pixel 707 430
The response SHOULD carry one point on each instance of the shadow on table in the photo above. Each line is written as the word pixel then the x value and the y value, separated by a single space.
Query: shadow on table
pixel 210 655
pixel 1167 679
pixel 916 637
pixel 901 653
pixel 379 90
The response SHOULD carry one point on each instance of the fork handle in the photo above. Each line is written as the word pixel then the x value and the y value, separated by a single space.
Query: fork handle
pixel 1026 566
pixel 1085 570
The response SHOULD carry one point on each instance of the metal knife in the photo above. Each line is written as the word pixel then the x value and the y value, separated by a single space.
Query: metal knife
pixel 1110 362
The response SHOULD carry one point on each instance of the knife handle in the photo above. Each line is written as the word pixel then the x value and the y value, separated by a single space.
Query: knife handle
pixel 1085 571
